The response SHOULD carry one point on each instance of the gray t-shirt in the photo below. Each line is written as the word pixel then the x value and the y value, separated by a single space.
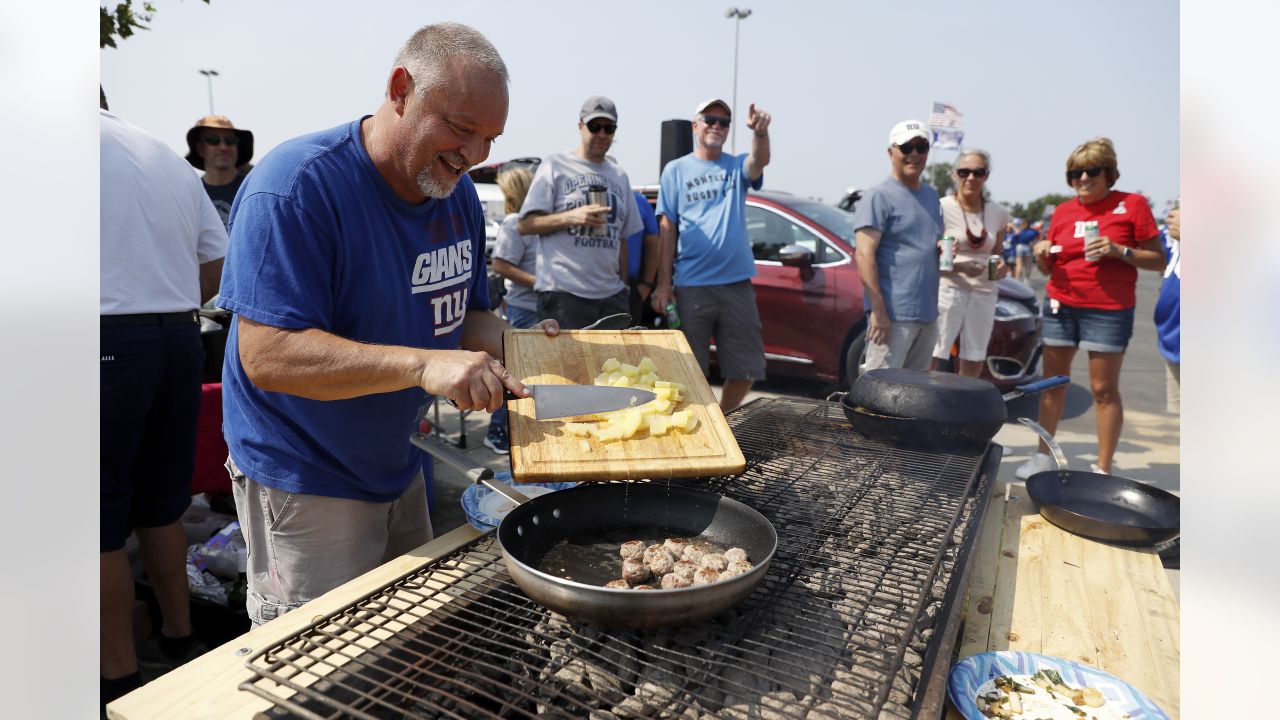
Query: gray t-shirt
pixel 521 251
pixel 571 260
pixel 910 223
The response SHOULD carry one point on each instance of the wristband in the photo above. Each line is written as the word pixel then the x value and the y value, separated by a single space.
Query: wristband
pixel 763 134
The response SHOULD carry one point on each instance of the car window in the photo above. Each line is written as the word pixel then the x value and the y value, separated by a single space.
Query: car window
pixel 769 232
pixel 836 221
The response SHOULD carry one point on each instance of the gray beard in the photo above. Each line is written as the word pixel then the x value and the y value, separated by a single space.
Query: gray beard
pixel 432 187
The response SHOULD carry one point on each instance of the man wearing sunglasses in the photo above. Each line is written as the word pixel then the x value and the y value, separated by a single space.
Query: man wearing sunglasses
pixel 223 152
pixel 582 248
pixel 704 260
pixel 899 223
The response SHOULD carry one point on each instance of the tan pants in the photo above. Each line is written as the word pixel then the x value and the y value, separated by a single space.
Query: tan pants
pixel 910 346
pixel 302 546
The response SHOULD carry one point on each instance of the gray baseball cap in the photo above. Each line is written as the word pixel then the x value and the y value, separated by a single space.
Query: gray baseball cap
pixel 598 106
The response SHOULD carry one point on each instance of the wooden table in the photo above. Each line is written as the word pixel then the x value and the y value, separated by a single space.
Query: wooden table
pixel 1037 588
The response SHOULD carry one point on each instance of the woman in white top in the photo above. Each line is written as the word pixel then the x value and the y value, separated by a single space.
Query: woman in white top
pixel 966 297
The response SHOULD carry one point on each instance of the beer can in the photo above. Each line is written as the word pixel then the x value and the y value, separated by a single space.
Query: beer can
pixel 598 195
pixel 673 316
pixel 947 261
pixel 1091 233
pixel 993 267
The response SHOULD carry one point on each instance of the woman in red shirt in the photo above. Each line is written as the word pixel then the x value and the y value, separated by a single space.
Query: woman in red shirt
pixel 1090 294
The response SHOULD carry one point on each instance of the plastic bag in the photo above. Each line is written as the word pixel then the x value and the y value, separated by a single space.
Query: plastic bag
pixel 225 554
pixel 204 584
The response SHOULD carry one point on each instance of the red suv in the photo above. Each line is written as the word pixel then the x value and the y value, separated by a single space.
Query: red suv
pixel 810 296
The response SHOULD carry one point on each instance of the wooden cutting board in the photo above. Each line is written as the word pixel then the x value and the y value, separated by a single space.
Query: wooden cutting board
pixel 541 452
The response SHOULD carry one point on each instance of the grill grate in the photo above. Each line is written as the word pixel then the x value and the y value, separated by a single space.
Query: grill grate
pixel 845 623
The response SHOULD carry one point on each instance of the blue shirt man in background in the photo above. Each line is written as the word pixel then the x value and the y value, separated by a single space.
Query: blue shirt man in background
pixel 642 262
pixel 702 203
pixel 898 224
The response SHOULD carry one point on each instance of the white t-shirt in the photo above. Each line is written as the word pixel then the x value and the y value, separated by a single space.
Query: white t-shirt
pixel 572 260
pixel 521 251
pixel 157 224
pixel 993 218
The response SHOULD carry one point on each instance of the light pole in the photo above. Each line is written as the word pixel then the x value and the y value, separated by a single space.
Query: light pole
pixel 739 14
pixel 210 75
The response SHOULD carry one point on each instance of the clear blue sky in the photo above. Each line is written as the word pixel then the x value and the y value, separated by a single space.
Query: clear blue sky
pixel 1033 79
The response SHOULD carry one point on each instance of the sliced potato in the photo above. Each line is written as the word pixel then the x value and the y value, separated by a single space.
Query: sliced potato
pixel 630 371
pixel 611 364
pixel 646 365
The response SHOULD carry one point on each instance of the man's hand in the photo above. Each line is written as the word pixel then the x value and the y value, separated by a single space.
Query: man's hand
pixel 1175 224
pixel 470 380
pixel 659 298
pixel 550 326
pixel 589 215
pixel 878 327
pixel 758 120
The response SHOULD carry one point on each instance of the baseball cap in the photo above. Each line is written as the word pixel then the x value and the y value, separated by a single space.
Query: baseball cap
pixel 702 106
pixel 598 106
pixel 908 129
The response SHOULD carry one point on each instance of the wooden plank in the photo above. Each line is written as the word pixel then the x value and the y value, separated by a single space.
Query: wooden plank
pixel 540 452
pixel 207 688
pixel 976 636
pixel 1066 623
pixel 1015 620
pixel 1152 630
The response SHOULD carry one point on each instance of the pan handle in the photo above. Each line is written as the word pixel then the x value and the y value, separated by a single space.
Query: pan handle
pixel 479 474
pixel 1058 456
pixel 1035 387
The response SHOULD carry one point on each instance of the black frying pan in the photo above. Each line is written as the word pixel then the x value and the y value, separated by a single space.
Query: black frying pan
pixel 928 409
pixel 577 533
pixel 1102 507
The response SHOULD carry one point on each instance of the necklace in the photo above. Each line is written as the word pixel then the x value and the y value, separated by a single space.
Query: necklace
pixel 974 240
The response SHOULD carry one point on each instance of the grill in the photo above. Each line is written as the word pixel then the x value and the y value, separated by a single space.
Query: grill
pixel 856 618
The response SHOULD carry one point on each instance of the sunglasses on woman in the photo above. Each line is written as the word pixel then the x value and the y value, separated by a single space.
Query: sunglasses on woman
pixel 921 147
pixel 964 173
pixel 229 140
pixel 1073 175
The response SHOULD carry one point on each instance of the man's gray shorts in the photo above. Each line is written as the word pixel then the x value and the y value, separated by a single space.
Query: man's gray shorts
pixel 302 546
pixel 729 314
pixel 910 346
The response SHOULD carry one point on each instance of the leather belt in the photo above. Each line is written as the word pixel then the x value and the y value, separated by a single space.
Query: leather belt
pixel 186 317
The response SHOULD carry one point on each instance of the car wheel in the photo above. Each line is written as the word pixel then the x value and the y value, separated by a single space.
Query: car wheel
pixel 855 358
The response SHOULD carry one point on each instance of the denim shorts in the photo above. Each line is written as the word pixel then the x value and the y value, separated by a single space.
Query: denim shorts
pixel 1086 328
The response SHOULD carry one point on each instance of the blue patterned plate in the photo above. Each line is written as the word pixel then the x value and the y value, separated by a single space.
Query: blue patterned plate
pixel 485 508
pixel 972 672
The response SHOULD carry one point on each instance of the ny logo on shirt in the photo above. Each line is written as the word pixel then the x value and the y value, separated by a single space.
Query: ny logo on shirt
pixel 445 273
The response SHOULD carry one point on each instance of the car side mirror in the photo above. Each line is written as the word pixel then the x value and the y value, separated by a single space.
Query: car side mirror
pixel 798 256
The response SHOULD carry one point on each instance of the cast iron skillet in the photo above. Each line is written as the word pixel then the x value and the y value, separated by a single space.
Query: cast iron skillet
pixel 1102 507
pixel 927 409
pixel 590 521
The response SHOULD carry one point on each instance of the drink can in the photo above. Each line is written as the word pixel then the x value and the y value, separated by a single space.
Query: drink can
pixel 993 267
pixel 947 261
pixel 598 195
pixel 1091 233
pixel 673 317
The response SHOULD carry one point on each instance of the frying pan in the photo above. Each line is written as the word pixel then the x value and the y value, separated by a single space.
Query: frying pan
pixel 576 533
pixel 931 409
pixel 1102 507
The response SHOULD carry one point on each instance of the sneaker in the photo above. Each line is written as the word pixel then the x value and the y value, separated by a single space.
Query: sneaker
pixel 1093 467
pixel 497 441
pixel 1038 463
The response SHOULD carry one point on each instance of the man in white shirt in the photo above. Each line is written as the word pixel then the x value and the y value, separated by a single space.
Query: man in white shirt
pixel 162 245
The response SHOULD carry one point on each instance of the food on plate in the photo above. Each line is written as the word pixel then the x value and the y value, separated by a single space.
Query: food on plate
pixel 1043 695
pixel 656 418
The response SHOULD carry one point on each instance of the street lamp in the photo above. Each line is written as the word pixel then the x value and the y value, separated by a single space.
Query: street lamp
pixel 210 75
pixel 739 14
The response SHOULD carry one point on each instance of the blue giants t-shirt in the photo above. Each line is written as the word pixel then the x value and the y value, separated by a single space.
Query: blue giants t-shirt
pixel 910 223
pixel 1167 315
pixel 319 240
pixel 706 199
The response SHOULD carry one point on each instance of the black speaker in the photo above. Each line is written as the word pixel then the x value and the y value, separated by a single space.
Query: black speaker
pixel 677 141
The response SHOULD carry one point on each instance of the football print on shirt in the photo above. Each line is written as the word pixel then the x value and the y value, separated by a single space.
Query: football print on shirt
pixel 446 274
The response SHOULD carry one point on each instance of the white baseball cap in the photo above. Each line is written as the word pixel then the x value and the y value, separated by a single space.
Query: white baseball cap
pixel 702 106
pixel 907 129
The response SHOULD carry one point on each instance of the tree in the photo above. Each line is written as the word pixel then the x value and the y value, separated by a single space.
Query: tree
pixel 939 175
pixel 1035 209
pixel 123 21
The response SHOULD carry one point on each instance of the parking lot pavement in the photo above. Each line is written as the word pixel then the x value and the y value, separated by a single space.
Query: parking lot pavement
pixel 1149 447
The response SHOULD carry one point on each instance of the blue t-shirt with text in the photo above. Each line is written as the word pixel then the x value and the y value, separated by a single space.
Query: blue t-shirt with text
pixel 635 243
pixel 320 240
pixel 910 223
pixel 707 199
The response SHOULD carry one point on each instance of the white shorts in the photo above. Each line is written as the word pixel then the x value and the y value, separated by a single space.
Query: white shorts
pixel 908 346
pixel 968 315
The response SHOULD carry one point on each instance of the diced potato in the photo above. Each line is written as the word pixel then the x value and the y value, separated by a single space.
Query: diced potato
pixel 648 379
pixel 646 365
pixel 630 371
pixel 611 364
pixel 584 446
pixel 601 379
pixel 663 384
pixel 609 434
pixel 621 381
pixel 629 423
pixel 614 376
pixel 659 424
pixel 681 419
pixel 578 429
pixel 663 393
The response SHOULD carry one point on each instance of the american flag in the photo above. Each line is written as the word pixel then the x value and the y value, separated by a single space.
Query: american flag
pixel 944 116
